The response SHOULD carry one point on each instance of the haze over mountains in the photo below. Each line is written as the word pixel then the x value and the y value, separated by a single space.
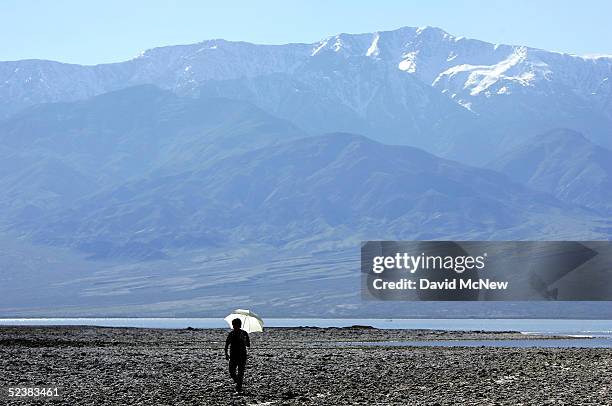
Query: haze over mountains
pixel 565 164
pixel 457 97
pixel 274 162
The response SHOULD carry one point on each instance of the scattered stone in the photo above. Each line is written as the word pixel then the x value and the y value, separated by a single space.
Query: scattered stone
pixel 298 366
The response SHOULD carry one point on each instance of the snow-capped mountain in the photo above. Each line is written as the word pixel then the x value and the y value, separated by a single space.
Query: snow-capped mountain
pixel 414 86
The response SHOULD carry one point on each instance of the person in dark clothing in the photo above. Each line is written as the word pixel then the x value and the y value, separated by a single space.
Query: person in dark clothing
pixel 237 341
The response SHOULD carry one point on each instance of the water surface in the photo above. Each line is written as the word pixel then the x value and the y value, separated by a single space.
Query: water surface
pixel 553 326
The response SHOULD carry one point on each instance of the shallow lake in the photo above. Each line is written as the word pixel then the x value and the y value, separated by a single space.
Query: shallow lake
pixel 598 328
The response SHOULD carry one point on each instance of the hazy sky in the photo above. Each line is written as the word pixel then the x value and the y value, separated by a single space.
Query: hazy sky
pixel 89 32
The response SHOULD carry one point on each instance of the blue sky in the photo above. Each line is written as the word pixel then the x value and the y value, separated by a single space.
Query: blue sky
pixel 92 32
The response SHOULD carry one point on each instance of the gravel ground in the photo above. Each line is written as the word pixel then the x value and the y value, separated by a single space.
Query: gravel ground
pixel 124 366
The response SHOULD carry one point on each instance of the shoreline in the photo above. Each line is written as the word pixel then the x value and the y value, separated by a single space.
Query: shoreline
pixel 374 334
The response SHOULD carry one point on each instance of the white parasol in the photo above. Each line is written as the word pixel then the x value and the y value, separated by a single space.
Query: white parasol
pixel 251 322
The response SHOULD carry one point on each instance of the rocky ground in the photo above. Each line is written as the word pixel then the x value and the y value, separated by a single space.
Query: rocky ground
pixel 124 366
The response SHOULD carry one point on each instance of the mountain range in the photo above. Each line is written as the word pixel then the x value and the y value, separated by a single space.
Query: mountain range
pixel 152 184
pixel 460 98
pixel 177 171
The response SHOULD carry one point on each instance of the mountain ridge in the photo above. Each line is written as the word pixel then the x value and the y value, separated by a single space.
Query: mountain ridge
pixel 565 164
pixel 98 143
pixel 305 192
pixel 301 43
pixel 392 84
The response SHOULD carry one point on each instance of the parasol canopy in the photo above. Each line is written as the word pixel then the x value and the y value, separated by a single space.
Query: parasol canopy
pixel 251 322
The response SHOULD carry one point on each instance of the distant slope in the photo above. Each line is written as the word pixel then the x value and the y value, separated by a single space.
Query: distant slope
pixel 565 164
pixel 53 154
pixel 314 193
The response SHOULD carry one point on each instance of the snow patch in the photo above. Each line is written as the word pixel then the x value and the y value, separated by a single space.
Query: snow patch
pixel 373 50
pixel 466 105
pixel 321 45
pixel 515 68
pixel 338 45
pixel 408 64
pixel 596 56
pixel 503 90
